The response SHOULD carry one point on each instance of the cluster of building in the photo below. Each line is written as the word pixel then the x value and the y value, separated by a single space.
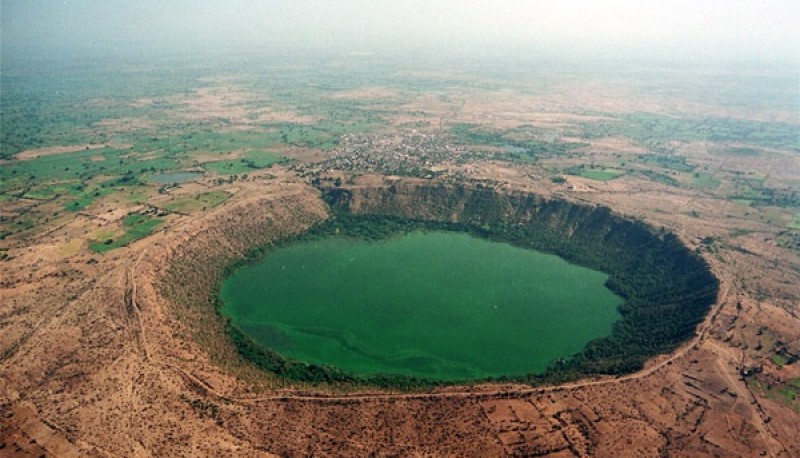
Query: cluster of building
pixel 414 154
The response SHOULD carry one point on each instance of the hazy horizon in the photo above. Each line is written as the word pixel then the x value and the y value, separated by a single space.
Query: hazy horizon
pixel 719 30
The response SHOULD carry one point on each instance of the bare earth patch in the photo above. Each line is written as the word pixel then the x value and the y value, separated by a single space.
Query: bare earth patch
pixel 51 150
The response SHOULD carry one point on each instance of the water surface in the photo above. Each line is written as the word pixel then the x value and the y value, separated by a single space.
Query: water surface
pixel 174 177
pixel 440 305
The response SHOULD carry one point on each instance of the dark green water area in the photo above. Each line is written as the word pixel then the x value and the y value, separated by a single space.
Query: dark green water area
pixel 437 305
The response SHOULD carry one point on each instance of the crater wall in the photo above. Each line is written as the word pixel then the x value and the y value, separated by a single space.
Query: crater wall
pixel 667 288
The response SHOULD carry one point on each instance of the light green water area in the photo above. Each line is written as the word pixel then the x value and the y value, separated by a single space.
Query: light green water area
pixel 437 305
pixel 174 177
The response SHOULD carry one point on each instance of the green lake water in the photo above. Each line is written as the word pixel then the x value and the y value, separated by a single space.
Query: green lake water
pixel 438 305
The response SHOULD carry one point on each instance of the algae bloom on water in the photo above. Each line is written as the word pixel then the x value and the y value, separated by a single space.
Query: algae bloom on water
pixel 438 305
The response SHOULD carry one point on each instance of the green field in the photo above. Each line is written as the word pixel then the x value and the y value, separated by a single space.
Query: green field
pixel 250 161
pixel 795 222
pixel 669 162
pixel 704 180
pixel 85 198
pixel 602 175
pixel 785 394
pixel 136 227
pixel 436 305
pixel 779 360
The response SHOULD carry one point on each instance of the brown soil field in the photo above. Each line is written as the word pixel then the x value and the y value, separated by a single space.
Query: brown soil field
pixel 38 152
pixel 119 354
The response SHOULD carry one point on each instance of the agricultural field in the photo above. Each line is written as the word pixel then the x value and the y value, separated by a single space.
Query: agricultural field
pixel 795 222
pixel 135 226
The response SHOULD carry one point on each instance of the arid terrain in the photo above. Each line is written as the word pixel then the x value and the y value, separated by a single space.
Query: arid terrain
pixel 118 350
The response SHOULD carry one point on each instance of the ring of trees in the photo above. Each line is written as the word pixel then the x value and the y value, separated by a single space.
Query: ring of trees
pixel 667 288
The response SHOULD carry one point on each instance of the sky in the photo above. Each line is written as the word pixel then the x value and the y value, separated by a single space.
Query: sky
pixel 735 29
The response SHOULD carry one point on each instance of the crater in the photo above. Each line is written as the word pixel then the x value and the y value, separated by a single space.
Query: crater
pixel 646 292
